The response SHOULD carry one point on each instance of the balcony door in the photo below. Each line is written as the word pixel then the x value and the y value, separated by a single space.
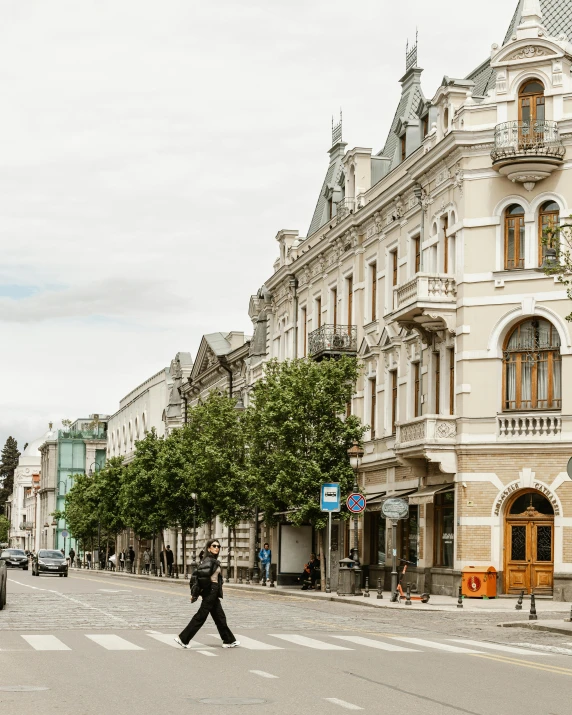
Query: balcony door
pixel 529 544
pixel 531 111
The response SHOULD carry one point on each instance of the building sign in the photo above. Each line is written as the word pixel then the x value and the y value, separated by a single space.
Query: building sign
pixel 504 496
pixel 512 488
pixel 549 495
pixel 395 508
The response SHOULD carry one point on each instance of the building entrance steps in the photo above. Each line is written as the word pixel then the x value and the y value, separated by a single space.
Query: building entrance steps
pixel 436 603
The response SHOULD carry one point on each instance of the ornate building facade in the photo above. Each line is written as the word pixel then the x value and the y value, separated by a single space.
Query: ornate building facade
pixel 425 260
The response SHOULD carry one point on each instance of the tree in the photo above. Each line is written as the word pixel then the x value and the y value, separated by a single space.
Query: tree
pixel 10 456
pixel 299 436
pixel 80 509
pixel 4 529
pixel 557 253
pixel 106 489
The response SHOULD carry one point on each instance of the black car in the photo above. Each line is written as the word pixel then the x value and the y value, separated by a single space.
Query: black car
pixel 48 561
pixel 3 579
pixel 15 559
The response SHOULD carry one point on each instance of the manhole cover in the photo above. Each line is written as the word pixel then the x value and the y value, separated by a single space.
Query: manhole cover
pixel 21 688
pixel 232 701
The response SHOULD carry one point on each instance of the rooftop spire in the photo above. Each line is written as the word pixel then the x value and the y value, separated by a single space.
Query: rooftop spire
pixel 531 13
pixel 411 54
pixel 337 130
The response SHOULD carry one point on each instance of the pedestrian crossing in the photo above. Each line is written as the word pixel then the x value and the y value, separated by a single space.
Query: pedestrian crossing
pixel 210 646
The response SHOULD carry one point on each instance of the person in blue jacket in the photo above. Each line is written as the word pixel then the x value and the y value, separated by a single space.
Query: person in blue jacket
pixel 265 556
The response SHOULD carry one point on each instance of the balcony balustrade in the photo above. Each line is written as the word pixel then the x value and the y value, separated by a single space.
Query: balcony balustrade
pixel 332 340
pixel 344 208
pixel 530 425
pixel 527 152
pixel 430 437
pixel 427 301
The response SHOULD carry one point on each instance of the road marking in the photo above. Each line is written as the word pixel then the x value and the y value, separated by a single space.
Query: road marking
pixel 433 644
pixel 113 642
pixel 45 643
pixel 525 663
pixel 250 643
pixel 114 590
pixel 308 642
pixel 496 646
pixel 343 704
pixel 263 674
pixel 547 648
pixel 169 639
pixel 206 652
pixel 370 643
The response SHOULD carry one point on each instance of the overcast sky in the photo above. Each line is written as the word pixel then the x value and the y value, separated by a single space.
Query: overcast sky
pixel 150 152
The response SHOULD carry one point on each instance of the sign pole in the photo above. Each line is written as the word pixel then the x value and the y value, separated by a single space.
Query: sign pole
pixel 329 564
pixel 393 558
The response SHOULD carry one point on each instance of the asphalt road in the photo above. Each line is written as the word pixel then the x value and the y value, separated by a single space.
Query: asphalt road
pixel 93 643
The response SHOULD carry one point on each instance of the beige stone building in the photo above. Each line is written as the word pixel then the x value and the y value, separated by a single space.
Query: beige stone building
pixel 424 260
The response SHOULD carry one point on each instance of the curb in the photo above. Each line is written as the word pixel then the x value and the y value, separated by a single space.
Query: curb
pixel 536 627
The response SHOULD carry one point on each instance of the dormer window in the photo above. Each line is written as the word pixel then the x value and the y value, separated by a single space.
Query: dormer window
pixel 403 147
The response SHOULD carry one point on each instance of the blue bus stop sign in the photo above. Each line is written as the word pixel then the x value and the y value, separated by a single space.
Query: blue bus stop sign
pixel 330 497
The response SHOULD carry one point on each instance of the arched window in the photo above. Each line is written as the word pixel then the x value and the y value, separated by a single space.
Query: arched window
pixel 531 102
pixel 548 219
pixel 532 367
pixel 514 237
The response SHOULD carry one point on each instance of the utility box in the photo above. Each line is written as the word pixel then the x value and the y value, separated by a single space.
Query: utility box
pixel 479 582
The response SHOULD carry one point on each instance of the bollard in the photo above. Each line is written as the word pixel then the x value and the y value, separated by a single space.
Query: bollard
pixel 408 595
pixel 366 590
pixel 239 575
pixel 518 606
pixel 271 584
pixel 532 615
pixel 379 589
pixel 247 576
pixel 460 599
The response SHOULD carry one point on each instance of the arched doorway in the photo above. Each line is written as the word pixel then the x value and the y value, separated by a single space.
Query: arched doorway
pixel 529 544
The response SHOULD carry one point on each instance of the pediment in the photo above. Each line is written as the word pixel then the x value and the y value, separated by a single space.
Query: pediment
pixel 526 51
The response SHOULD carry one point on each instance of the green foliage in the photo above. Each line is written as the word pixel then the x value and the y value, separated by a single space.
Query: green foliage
pixel 4 529
pixel 216 447
pixel 80 510
pixel 142 490
pixel 299 437
pixel 10 456
pixel 559 238
pixel 106 490
pixel 176 480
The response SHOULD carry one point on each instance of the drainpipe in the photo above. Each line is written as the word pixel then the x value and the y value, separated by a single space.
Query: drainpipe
pixel 293 284
pixel 223 360
pixel 418 191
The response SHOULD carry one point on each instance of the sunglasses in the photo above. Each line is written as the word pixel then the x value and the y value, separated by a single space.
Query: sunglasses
pixel 215 546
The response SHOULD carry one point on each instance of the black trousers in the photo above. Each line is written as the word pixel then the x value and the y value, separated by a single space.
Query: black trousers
pixel 210 604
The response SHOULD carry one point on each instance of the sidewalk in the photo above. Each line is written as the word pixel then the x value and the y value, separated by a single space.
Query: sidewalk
pixel 436 603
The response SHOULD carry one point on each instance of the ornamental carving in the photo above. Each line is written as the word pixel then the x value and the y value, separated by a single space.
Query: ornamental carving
pixel 412 432
pixel 529 52
pixel 446 429
pixel 459 180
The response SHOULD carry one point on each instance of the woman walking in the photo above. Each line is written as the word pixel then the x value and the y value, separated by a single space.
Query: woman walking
pixel 208 584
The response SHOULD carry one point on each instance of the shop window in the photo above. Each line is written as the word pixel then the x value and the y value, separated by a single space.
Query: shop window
pixel 532 367
pixel 548 220
pixel 444 529
pixel 514 237
pixel 408 536
pixel 377 544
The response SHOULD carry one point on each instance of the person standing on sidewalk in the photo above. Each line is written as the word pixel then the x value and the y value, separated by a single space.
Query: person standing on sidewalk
pixel 122 560
pixel 170 558
pixel 131 553
pixel 265 557
pixel 147 559
pixel 208 584
pixel 72 556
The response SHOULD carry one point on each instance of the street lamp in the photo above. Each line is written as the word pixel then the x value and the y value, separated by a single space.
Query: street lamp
pixel 355 453
pixel 90 473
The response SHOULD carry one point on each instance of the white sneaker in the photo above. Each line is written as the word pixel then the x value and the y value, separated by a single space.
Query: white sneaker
pixel 180 642
pixel 231 645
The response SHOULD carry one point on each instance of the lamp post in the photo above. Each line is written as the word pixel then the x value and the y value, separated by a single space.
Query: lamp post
pixel 355 453
pixel 256 570
pixel 91 473
pixel 194 561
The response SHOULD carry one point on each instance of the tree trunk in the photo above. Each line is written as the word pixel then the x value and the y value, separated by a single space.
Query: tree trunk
pixel 163 552
pixel 184 538
pixel 176 557
pixel 235 555
pixel 323 562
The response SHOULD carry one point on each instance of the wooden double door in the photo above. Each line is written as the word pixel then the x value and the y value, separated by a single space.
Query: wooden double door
pixel 529 554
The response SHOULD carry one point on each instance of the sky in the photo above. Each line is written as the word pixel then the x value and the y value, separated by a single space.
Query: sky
pixel 151 151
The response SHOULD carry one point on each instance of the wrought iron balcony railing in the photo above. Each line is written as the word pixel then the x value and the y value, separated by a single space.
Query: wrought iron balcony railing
pixel 345 207
pixel 333 339
pixel 530 139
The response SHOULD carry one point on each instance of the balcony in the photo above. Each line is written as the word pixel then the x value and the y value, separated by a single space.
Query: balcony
pixel 529 425
pixel 344 208
pixel 527 152
pixel 332 340
pixel 427 302
pixel 430 437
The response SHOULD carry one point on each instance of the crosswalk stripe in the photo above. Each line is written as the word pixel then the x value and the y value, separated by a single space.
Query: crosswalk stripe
pixel 497 646
pixel 433 644
pixel 169 639
pixel 263 674
pixel 206 652
pixel 343 704
pixel 370 643
pixel 250 643
pixel 45 642
pixel 113 642
pixel 308 642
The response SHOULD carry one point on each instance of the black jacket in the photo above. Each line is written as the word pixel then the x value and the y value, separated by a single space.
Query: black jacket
pixel 200 581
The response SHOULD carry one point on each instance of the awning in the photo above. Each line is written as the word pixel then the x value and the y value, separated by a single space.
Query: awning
pixel 375 503
pixel 427 494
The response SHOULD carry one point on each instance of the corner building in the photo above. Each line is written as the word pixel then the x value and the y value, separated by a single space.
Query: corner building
pixel 424 260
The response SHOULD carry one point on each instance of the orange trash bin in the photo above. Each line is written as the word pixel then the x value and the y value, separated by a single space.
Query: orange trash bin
pixel 479 582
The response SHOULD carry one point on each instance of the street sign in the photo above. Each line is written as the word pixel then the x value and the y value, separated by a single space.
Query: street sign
pixel 569 467
pixel 65 534
pixel 356 503
pixel 330 497
pixel 395 508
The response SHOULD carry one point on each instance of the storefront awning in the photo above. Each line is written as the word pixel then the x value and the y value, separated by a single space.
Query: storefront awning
pixel 374 504
pixel 427 494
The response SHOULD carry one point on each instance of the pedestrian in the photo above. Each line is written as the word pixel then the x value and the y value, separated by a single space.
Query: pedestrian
pixel 72 556
pixel 208 585
pixel 132 559
pixel 265 557
pixel 88 557
pixel 170 558
pixel 122 560
pixel 147 559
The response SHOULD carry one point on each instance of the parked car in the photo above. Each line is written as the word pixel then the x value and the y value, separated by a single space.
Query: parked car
pixel 3 580
pixel 15 559
pixel 48 561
